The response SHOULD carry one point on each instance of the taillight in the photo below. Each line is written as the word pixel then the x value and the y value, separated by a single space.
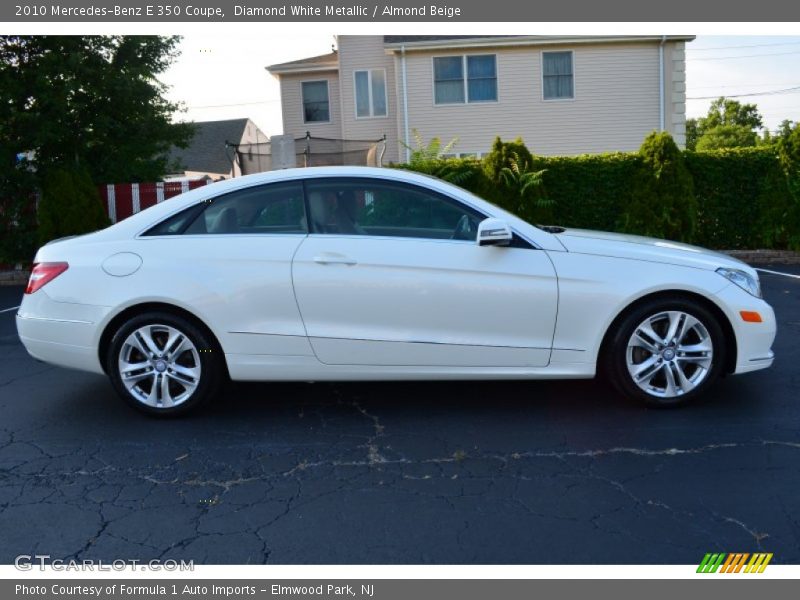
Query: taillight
pixel 44 273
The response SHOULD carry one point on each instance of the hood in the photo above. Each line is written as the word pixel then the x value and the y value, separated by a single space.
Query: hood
pixel 636 247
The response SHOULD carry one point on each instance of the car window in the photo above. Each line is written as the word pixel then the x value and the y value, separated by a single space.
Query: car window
pixel 176 223
pixel 273 208
pixel 384 208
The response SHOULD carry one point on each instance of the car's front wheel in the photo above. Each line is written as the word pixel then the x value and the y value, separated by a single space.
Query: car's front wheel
pixel 163 365
pixel 665 352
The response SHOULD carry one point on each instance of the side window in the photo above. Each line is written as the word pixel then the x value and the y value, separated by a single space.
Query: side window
pixel 558 76
pixel 265 209
pixel 316 102
pixel 175 224
pixel 379 208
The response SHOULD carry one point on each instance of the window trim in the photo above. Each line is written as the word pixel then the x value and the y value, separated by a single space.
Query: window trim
pixel 465 78
pixel 303 102
pixel 371 114
pixel 574 77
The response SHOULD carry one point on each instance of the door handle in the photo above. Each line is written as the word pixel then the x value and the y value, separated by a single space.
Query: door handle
pixel 334 259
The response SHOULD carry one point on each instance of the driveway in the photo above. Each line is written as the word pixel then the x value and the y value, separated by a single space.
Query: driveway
pixel 487 472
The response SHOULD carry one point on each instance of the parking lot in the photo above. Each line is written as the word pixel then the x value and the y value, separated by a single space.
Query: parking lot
pixel 513 472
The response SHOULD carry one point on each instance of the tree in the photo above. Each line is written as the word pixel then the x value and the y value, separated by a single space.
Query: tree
pixel 724 111
pixel 728 124
pixel 662 193
pixel 79 103
pixel 70 204
pixel 691 134
pixel 92 102
pixel 726 136
pixel 782 133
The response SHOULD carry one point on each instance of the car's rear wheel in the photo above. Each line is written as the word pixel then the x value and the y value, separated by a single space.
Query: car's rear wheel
pixel 665 352
pixel 163 365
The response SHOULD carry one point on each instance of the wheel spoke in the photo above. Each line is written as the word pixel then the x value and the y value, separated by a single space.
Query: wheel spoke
pixel 152 398
pixel 186 375
pixel 146 340
pixel 644 371
pixel 689 323
pixel 175 344
pixel 700 361
pixel 676 321
pixel 685 384
pixel 670 389
pixel 640 340
pixel 126 367
pixel 166 397
pixel 701 346
pixel 646 330
pixel 135 373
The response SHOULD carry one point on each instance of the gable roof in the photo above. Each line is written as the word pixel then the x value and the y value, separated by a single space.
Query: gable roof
pixel 206 150
pixel 323 62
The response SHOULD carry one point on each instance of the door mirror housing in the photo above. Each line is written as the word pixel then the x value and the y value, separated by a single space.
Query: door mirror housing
pixel 494 232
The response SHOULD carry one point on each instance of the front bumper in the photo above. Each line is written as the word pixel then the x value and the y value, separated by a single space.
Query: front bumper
pixel 753 340
pixel 61 333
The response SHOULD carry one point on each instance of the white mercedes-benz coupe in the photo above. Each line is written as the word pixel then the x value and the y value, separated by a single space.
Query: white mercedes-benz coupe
pixel 353 273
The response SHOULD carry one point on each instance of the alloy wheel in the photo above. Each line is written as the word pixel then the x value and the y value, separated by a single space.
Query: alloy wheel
pixel 669 354
pixel 159 366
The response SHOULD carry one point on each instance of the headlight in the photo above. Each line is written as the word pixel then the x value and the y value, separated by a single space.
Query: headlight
pixel 743 279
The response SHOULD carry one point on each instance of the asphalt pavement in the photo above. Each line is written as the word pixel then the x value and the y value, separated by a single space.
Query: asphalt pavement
pixel 447 473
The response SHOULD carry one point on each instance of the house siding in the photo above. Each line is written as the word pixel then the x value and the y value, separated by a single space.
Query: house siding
pixel 616 101
pixel 292 106
pixel 360 52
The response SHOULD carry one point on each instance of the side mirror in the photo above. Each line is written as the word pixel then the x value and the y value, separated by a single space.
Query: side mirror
pixel 494 232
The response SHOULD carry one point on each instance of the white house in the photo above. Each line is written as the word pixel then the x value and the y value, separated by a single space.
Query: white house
pixel 561 94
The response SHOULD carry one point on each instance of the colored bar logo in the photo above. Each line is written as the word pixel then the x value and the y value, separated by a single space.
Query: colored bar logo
pixel 736 562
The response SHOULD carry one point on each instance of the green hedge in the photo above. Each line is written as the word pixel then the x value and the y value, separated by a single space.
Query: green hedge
pixel 742 197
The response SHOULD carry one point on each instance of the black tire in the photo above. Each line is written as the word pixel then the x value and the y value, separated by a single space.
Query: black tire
pixel 613 361
pixel 211 363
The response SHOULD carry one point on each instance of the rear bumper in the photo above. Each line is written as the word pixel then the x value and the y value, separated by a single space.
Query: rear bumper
pixel 61 333
pixel 753 340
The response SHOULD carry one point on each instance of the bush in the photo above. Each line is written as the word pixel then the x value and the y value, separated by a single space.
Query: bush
pixel 70 205
pixel 17 214
pixel 743 199
pixel 662 202
pixel 588 191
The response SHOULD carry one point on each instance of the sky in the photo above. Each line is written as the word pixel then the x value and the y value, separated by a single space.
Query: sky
pixel 224 77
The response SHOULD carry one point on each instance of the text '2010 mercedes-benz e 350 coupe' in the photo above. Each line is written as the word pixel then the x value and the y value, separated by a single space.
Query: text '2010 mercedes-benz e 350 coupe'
pixel 353 273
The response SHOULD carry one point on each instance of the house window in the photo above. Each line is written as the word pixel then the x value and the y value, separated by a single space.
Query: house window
pixel 462 155
pixel 459 79
pixel 316 106
pixel 370 93
pixel 558 76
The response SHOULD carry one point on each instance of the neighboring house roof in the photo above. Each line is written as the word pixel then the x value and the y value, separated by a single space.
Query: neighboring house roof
pixel 405 39
pixel 330 61
pixel 206 150
pixel 324 62
pixel 426 42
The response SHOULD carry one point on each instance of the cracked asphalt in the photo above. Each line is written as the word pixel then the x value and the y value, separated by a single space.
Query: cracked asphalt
pixel 487 472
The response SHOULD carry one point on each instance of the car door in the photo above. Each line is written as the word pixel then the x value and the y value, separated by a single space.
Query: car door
pixel 231 257
pixel 391 275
